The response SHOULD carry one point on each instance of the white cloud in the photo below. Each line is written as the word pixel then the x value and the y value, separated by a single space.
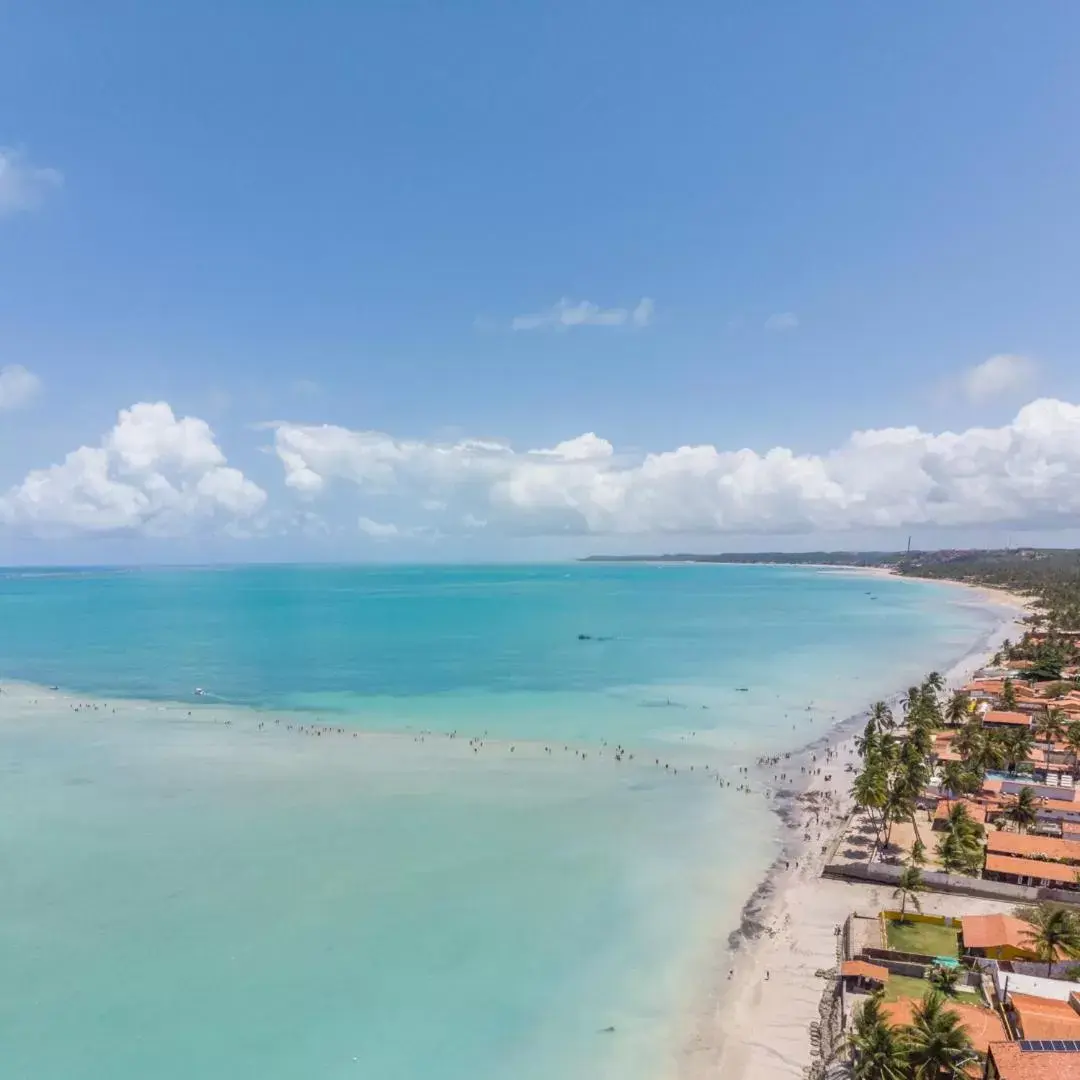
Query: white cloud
pixel 781 322
pixel 567 314
pixel 1022 473
pixel 1001 375
pixel 18 387
pixel 23 185
pixel 152 473
pixel 378 530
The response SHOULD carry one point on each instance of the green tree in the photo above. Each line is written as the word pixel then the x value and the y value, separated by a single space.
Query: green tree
pixel 1050 724
pixel 959 708
pixel 917 855
pixel 868 743
pixel 1017 745
pixel 1054 933
pixel 1023 809
pixel 944 977
pixel 953 776
pixel 951 854
pixel 871 792
pixel 970 740
pixel 960 850
pixel 882 716
pixel 1007 699
pixel 1072 738
pixel 936 1042
pixel 908 888
pixel 876 1048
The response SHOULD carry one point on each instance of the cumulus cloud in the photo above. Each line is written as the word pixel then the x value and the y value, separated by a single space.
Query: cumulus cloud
pixel 18 387
pixel 1022 473
pixel 153 473
pixel 781 322
pixel 567 314
pixel 998 376
pixel 24 185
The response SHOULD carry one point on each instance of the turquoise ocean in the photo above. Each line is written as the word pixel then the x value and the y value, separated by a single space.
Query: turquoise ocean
pixel 392 837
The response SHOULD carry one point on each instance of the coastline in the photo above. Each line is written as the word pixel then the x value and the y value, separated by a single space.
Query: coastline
pixel 765 990
pixel 783 901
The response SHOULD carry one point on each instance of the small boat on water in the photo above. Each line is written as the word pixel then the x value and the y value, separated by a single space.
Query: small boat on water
pixel 200 692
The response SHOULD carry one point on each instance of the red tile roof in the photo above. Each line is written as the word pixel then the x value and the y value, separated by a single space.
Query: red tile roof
pixel 976 810
pixel 1015 1064
pixel 992 931
pixel 983 1026
pixel 862 970
pixel 997 716
pixel 1007 843
pixel 1044 1018
pixel 1032 868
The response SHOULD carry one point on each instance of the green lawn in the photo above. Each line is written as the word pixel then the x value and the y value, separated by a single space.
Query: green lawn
pixel 901 986
pixel 926 938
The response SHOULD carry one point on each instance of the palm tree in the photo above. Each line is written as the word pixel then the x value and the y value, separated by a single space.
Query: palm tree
pixel 908 887
pixel 1017 745
pixel 970 739
pixel 917 855
pixel 992 753
pixel 960 850
pixel 1050 724
pixel 958 708
pixel 1023 810
pixel 1072 737
pixel 936 681
pixel 962 823
pixel 951 854
pixel 1054 933
pixel 953 779
pixel 868 742
pixel 1007 700
pixel 912 701
pixel 875 1045
pixel 936 1041
pixel 882 716
pixel 944 978
pixel 871 790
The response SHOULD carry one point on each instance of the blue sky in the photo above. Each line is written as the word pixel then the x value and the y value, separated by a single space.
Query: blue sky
pixel 332 213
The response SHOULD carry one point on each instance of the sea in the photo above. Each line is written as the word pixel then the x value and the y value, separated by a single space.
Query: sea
pixel 392 822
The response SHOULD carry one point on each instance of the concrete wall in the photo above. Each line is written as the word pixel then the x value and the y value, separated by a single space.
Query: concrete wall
pixel 934 881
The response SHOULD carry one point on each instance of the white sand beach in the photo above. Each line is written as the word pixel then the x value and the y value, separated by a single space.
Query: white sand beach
pixel 754 1022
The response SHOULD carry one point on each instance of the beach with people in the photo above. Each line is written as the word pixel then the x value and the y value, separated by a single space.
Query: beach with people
pixel 646 858
pixel 760 1017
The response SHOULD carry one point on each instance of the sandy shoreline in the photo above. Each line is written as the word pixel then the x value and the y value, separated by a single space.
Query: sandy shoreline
pixel 753 1022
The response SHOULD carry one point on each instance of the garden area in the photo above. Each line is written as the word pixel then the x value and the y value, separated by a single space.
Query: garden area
pixel 928 939
pixel 903 986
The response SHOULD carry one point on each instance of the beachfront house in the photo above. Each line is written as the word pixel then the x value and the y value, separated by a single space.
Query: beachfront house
pixel 997 937
pixel 1045 1018
pixel 1033 1060
pixel 1004 720
pixel 1031 872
